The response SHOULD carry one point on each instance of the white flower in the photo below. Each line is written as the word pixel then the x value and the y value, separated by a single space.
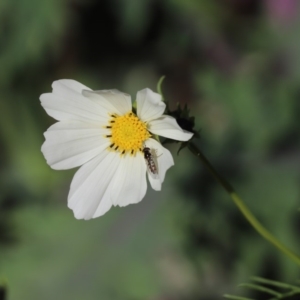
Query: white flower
pixel 98 131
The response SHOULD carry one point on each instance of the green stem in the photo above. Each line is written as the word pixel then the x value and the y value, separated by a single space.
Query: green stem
pixel 243 208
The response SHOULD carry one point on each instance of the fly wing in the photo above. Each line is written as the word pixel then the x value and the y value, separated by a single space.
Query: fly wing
pixel 153 174
pixel 152 165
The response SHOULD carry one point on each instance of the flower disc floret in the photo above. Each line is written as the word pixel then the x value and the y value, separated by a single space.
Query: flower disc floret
pixel 128 133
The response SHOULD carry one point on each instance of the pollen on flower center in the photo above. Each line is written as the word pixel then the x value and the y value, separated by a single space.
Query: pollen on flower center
pixel 128 133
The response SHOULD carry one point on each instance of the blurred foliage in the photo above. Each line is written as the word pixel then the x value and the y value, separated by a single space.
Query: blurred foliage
pixel 236 65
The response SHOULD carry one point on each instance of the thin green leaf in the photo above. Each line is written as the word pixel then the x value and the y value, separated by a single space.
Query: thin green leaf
pixel 286 295
pixel 274 283
pixel 260 288
pixel 227 296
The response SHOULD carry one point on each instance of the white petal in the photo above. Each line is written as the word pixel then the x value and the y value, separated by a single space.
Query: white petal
pixel 59 87
pixel 164 160
pixel 113 100
pixel 149 105
pixel 167 126
pixel 154 182
pixel 67 103
pixel 130 183
pixel 70 144
pixel 90 191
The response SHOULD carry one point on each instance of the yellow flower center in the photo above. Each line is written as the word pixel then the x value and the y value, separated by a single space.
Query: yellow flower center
pixel 128 133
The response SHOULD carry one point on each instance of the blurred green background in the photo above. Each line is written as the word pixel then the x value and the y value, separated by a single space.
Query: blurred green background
pixel 236 63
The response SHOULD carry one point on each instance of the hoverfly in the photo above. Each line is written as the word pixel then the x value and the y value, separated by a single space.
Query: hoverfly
pixel 151 161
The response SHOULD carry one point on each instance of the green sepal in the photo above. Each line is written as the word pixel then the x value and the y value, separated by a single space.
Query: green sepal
pixel 182 146
pixel 183 119
pixel 186 122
